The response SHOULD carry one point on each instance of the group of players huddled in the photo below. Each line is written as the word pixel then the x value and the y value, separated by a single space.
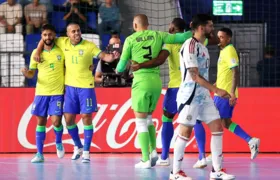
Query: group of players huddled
pixel 65 86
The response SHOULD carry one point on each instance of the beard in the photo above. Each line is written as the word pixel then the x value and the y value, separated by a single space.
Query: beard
pixel 48 42
pixel 208 35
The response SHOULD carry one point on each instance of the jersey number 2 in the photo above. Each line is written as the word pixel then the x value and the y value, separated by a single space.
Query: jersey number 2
pixel 149 55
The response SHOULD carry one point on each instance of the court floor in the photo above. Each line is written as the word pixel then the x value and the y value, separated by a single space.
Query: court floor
pixel 121 167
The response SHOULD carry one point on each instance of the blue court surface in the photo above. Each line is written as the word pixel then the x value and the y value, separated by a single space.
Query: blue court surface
pixel 121 167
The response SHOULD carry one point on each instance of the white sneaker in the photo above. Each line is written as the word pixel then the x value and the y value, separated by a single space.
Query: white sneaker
pixel 77 153
pixel 143 165
pixel 254 145
pixel 161 162
pixel 85 157
pixel 60 150
pixel 153 158
pixel 221 175
pixel 38 158
pixel 200 164
pixel 179 176
pixel 209 158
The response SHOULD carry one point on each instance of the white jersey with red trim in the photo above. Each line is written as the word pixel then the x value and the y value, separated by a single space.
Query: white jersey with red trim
pixel 193 54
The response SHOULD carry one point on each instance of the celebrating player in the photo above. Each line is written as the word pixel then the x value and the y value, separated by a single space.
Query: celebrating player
pixel 141 46
pixel 228 79
pixel 194 100
pixel 49 91
pixel 80 95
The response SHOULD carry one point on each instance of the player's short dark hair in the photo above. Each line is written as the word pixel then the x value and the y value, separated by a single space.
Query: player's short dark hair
pixel 48 27
pixel 179 23
pixel 200 20
pixel 227 31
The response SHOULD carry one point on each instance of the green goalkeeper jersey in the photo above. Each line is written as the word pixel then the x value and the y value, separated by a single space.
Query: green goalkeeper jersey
pixel 145 45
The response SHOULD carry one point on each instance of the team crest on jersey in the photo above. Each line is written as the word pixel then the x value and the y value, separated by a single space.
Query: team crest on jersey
pixel 81 52
pixel 58 57
pixel 189 117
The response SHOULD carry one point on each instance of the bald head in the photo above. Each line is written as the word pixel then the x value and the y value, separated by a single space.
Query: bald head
pixel 140 22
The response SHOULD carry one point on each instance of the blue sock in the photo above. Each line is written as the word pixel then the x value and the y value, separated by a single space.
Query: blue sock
pixel 166 136
pixel 88 133
pixel 40 138
pixel 200 137
pixel 236 129
pixel 74 133
pixel 58 134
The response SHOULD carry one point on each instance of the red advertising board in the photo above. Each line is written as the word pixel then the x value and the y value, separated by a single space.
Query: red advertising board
pixel 256 112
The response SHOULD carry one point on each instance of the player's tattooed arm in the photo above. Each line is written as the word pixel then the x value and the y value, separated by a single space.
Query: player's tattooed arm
pixel 203 82
pixel 235 79
pixel 163 55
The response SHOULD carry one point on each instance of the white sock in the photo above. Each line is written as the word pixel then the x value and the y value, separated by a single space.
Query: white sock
pixel 217 150
pixel 179 151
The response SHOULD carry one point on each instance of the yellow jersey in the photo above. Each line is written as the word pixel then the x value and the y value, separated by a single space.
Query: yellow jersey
pixel 228 59
pixel 78 59
pixel 50 72
pixel 173 64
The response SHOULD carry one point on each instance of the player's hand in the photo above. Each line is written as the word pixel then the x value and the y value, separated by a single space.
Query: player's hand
pixel 91 67
pixel 24 71
pixel 222 93
pixel 135 66
pixel 37 58
pixel 116 55
pixel 232 99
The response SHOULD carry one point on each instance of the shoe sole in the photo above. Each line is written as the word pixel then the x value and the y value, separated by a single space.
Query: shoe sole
pixel 76 158
pixel 200 167
pixel 163 164
pixel 85 161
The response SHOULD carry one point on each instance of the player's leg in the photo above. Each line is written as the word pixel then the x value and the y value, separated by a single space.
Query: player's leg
pixel 186 119
pixel 200 137
pixel 155 87
pixel 55 111
pixel 39 109
pixel 140 106
pixel 226 111
pixel 70 109
pixel 210 115
pixel 88 105
pixel 169 111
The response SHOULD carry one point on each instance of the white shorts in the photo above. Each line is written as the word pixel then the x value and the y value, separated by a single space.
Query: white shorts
pixel 206 112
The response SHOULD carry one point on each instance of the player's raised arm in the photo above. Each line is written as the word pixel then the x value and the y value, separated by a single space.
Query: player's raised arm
pixel 159 60
pixel 178 38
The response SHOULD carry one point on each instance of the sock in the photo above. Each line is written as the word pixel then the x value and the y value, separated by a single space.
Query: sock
pixel 200 137
pixel 74 133
pixel 236 129
pixel 217 150
pixel 58 134
pixel 179 151
pixel 40 138
pixel 166 136
pixel 143 137
pixel 152 133
pixel 88 133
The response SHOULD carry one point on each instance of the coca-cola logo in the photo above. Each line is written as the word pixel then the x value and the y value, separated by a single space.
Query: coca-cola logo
pixel 119 125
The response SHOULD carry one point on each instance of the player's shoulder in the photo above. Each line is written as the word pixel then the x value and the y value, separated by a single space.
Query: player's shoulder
pixel 231 48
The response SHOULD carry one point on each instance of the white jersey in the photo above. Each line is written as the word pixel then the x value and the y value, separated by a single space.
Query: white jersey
pixel 193 54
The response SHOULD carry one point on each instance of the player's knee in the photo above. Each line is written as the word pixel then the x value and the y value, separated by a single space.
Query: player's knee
pixel 185 131
pixel 226 123
pixel 141 125
pixel 168 115
pixel 87 119
pixel 57 123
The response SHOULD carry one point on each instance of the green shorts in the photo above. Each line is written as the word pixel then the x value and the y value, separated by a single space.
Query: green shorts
pixel 146 90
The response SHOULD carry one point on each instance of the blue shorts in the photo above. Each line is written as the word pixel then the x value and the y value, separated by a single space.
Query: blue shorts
pixel 47 105
pixel 223 107
pixel 169 102
pixel 79 100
